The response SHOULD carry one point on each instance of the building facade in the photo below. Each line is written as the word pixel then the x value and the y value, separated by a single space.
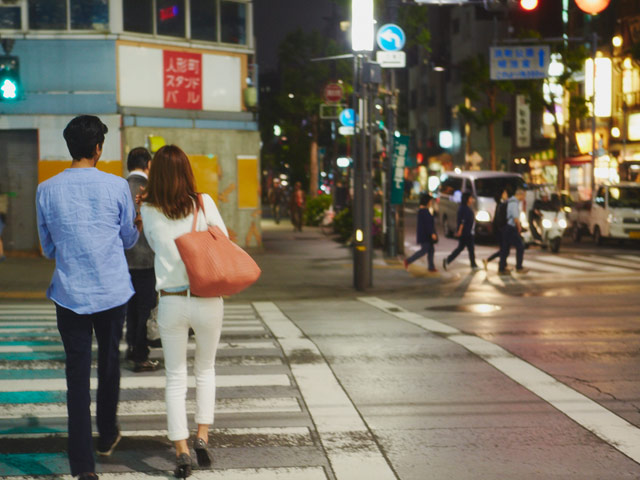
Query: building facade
pixel 156 72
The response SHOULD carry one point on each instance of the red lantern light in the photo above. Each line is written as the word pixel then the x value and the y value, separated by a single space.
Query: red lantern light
pixel 592 7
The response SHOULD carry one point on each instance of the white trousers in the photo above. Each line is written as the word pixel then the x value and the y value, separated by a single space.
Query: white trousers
pixel 176 315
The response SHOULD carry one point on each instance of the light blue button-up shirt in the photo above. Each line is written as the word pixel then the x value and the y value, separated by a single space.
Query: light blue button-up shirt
pixel 85 221
pixel 513 211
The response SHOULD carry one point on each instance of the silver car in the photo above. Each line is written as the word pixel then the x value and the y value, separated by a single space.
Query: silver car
pixel 485 186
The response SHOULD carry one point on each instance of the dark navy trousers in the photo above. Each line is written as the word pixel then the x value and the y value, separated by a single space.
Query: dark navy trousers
pixel 138 312
pixel 425 248
pixel 511 238
pixel 77 332
pixel 467 242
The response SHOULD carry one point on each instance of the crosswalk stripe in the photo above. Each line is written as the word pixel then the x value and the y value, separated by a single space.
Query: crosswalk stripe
pixel 612 261
pixel 10 349
pixel 631 258
pixel 144 382
pixel 52 331
pixel 53 324
pixel 265 473
pixel 563 261
pixel 258 431
pixel 140 408
pixel 542 267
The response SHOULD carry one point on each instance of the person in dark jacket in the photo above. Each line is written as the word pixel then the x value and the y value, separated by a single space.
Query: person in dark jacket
pixel 140 261
pixel 499 221
pixel 465 232
pixel 425 233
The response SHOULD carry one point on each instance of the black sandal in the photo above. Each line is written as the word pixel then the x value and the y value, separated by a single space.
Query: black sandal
pixel 183 466
pixel 202 454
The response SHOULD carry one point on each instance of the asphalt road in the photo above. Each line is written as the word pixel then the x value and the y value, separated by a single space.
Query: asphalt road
pixel 465 375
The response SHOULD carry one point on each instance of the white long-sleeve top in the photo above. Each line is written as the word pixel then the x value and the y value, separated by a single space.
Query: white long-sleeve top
pixel 161 232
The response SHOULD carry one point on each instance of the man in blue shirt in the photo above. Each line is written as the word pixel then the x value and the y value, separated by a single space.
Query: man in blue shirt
pixel 465 232
pixel 511 233
pixel 85 221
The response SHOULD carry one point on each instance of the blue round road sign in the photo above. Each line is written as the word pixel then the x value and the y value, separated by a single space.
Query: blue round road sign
pixel 391 37
pixel 348 117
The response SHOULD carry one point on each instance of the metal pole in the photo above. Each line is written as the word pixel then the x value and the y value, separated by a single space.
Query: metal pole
pixel 391 239
pixel 594 47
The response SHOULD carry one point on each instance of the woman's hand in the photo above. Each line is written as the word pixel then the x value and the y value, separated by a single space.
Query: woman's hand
pixel 138 221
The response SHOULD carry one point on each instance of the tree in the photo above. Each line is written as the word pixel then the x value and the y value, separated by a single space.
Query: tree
pixel 296 106
pixel 544 95
pixel 485 110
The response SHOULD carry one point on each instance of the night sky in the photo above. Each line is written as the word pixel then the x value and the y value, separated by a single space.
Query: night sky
pixel 274 19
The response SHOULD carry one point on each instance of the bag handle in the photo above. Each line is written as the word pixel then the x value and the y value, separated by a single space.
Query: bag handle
pixel 199 204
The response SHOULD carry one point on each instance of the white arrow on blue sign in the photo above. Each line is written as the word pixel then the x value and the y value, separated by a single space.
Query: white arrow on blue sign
pixel 391 37
pixel 348 117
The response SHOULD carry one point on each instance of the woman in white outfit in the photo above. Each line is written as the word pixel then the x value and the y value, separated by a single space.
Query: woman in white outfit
pixel 167 212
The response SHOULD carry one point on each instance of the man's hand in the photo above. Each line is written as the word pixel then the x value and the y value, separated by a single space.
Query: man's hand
pixel 434 237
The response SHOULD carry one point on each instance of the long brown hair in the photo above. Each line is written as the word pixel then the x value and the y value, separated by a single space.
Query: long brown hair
pixel 171 186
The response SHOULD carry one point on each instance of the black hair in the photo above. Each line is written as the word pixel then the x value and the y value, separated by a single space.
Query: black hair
pixel 511 190
pixel 82 134
pixel 139 157
pixel 425 198
pixel 465 197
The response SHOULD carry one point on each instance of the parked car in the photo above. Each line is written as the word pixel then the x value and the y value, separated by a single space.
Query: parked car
pixel 613 212
pixel 484 185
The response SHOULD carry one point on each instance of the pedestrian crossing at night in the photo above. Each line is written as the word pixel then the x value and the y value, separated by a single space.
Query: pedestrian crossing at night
pixel 260 415
pixel 541 264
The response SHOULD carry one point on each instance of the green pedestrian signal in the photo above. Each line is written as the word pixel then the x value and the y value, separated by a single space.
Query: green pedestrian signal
pixel 10 86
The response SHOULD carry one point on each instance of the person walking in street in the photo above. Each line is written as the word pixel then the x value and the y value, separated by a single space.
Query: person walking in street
pixel 465 232
pixel 140 261
pixel 85 221
pixel 499 221
pixel 276 195
pixel 167 213
pixel 297 207
pixel 426 235
pixel 511 234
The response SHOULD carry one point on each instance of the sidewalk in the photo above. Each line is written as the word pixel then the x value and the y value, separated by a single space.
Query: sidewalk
pixel 295 265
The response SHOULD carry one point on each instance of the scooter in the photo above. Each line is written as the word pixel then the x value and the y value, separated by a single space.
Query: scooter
pixel 552 225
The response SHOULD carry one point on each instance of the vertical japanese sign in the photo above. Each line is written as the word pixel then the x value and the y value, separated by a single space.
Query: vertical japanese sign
pixel 400 156
pixel 523 122
pixel 182 80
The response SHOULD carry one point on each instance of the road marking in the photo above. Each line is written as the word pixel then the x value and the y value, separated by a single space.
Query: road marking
pixel 612 261
pixel 605 424
pixel 145 382
pixel 156 407
pixel 10 350
pixel 578 263
pixel 336 418
pixel 262 431
pixel 631 258
pixel 544 268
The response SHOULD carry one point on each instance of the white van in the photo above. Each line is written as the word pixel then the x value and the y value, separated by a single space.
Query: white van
pixel 484 185
pixel 614 212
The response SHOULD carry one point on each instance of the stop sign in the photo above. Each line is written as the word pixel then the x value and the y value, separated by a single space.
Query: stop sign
pixel 333 92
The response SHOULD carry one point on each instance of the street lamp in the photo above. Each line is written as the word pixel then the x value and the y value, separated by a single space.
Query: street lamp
pixel 362 25
pixel 362 43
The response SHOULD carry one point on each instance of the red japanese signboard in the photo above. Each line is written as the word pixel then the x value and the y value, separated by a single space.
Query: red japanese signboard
pixel 182 80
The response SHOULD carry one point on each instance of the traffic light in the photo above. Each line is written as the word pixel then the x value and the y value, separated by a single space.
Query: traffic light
pixel 528 5
pixel 10 86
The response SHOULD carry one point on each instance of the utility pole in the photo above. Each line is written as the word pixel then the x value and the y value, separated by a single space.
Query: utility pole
pixel 391 109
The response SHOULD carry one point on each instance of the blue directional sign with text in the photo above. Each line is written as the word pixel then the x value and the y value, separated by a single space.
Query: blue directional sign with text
pixel 391 37
pixel 519 62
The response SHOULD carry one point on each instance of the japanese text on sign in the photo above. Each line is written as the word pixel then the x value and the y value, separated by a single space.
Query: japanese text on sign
pixel 400 154
pixel 182 80
pixel 519 63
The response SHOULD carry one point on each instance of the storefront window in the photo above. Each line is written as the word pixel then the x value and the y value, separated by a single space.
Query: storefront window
pixel 89 14
pixel 233 16
pixel 137 16
pixel 48 14
pixel 203 20
pixel 170 18
pixel 10 18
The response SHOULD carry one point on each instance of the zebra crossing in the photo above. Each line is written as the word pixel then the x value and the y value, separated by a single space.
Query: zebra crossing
pixel 543 264
pixel 262 431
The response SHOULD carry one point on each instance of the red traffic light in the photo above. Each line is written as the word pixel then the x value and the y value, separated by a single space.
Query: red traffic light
pixel 528 5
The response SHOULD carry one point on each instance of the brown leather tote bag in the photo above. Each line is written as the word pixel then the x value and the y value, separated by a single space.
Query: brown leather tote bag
pixel 215 265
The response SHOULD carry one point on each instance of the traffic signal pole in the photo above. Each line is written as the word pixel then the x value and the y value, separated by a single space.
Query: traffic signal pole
pixel 363 198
